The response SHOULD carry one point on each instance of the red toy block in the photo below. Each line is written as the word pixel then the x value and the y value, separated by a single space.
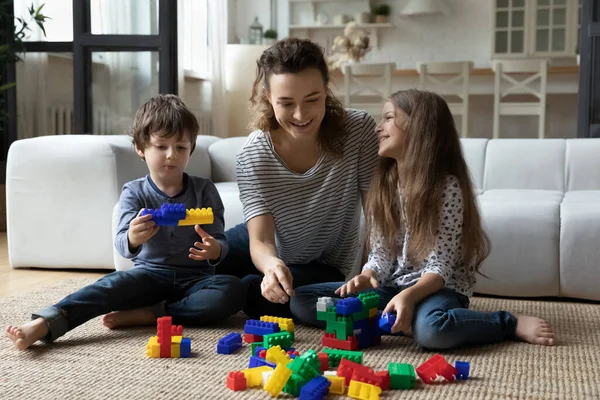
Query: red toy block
pixel 436 365
pixel 385 379
pixel 263 354
pixel 249 338
pixel 177 330
pixel 448 372
pixel 324 358
pixel 348 369
pixel 236 381
pixel 329 340
pixel 295 352
pixel 163 331
pixel 367 376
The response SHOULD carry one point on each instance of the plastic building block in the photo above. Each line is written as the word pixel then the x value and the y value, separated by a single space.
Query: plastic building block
pixel 230 343
pixel 342 327
pixel 266 375
pixel 302 367
pixel 372 313
pixel 369 300
pixel 348 306
pixel 312 358
pixel 386 322
pixel 463 368
pixel 167 215
pixel 385 379
pixel 260 328
pixel 324 360
pixel 278 380
pixel 317 388
pixel 363 391
pixel 254 375
pixel 163 330
pixel 153 347
pixel 335 356
pixel 367 376
pixel 278 356
pixel 254 346
pixel 285 324
pixel 402 376
pixel 250 338
pixel 348 369
pixel 436 365
pixel 236 381
pixel 259 362
pixel 324 303
pixel 329 340
pixel 294 385
pixel 197 216
pixel 327 315
pixel 185 351
pixel 263 354
pixel 283 339
pixel 176 350
pixel 338 384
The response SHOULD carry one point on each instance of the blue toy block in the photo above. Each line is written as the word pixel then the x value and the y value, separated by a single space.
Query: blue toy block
pixel 167 215
pixel 230 343
pixel 463 368
pixel 360 324
pixel 185 348
pixel 259 362
pixel 348 306
pixel 258 350
pixel 316 389
pixel 260 328
pixel 292 356
pixel 386 322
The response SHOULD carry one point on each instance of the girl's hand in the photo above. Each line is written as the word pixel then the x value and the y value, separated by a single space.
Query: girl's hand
pixel 208 249
pixel 276 285
pixel 366 280
pixel 404 308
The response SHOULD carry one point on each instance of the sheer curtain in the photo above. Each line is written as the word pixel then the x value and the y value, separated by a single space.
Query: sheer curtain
pixel 217 41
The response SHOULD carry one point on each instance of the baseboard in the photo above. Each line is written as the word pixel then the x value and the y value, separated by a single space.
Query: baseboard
pixel 2 208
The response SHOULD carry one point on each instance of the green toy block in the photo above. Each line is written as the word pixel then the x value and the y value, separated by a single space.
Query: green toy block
pixel 283 339
pixel 334 356
pixel 364 314
pixel 342 328
pixel 302 367
pixel 294 385
pixel 312 358
pixel 254 345
pixel 327 316
pixel 369 300
pixel 402 376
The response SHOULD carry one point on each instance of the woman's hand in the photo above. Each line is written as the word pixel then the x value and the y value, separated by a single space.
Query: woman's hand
pixel 364 281
pixel 276 285
pixel 404 308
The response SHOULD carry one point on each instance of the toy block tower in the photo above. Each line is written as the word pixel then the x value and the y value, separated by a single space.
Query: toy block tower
pixel 168 342
pixel 352 323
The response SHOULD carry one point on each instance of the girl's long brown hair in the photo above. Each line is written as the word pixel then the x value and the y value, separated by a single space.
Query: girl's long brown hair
pixel 431 152
pixel 293 55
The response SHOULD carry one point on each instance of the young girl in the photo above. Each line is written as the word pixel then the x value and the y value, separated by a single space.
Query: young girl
pixel 425 235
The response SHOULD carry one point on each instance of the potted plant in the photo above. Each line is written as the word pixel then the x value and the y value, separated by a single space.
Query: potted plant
pixel 270 36
pixel 382 13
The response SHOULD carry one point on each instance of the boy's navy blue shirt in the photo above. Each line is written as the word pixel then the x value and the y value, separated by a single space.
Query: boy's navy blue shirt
pixel 169 248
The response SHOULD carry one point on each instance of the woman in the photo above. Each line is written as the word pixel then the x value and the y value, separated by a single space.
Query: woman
pixel 302 175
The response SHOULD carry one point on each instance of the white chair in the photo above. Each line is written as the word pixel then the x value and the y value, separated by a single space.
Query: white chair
pixel 449 78
pixel 528 72
pixel 367 85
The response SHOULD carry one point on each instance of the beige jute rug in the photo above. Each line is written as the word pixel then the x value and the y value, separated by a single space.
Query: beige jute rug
pixel 92 362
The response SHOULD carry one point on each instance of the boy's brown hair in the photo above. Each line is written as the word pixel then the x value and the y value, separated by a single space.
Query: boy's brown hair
pixel 164 115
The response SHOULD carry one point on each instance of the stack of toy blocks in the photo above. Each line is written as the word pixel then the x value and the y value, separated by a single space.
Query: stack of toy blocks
pixel 169 342
pixel 177 215
pixel 352 323
pixel 254 330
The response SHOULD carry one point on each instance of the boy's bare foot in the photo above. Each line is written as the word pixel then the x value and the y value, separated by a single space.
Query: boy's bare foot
pixel 27 334
pixel 534 330
pixel 139 316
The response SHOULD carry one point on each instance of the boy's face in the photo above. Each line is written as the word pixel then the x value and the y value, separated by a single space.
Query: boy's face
pixel 167 158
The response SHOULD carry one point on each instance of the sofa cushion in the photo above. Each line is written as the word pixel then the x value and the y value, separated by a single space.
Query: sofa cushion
pixel 525 164
pixel 474 152
pixel 223 158
pixel 583 164
pixel 522 195
pixel 230 195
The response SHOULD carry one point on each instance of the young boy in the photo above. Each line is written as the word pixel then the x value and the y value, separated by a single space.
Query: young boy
pixel 174 265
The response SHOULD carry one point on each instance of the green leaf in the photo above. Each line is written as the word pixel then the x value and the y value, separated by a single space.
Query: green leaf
pixel 7 86
pixel 41 25
pixel 39 8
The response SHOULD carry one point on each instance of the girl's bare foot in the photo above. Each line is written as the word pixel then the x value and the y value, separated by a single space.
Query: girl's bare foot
pixel 534 330
pixel 119 319
pixel 27 334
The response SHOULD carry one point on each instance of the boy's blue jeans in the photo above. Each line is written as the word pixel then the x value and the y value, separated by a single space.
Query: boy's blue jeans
pixel 239 263
pixel 441 321
pixel 190 297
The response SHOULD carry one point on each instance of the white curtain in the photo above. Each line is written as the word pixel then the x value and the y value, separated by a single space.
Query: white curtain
pixel 217 40
pixel 32 83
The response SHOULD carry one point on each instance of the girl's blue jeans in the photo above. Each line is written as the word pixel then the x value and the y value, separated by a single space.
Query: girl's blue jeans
pixel 441 321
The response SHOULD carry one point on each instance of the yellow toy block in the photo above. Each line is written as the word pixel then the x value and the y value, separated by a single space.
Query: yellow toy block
pixel 153 348
pixel 285 324
pixel 363 391
pixel 254 375
pixel 278 356
pixel 278 380
pixel 176 339
pixel 175 347
pixel 197 216
pixel 372 312
pixel 338 384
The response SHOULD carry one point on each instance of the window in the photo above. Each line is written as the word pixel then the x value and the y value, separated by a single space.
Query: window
pixel 525 28
pixel 196 57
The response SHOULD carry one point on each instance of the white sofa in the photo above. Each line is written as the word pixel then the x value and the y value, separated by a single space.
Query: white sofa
pixel 540 201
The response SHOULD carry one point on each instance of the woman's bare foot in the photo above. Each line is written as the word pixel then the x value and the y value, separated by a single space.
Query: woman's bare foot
pixel 534 330
pixel 27 334
pixel 139 316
